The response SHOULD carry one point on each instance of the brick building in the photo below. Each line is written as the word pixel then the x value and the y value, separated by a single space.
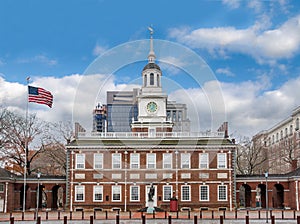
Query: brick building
pixel 52 191
pixel 115 170
pixel 281 145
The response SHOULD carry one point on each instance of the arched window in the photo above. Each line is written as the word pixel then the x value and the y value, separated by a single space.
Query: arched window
pixel 281 134
pixel 145 80
pixel 297 124
pixel 151 79
pixel 157 76
pixel 291 129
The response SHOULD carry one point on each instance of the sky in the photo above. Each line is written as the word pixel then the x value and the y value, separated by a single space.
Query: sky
pixel 250 51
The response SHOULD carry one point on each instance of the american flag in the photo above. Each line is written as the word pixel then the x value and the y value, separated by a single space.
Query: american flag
pixel 40 95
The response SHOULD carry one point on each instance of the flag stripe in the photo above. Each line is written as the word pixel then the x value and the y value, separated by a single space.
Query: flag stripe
pixel 40 96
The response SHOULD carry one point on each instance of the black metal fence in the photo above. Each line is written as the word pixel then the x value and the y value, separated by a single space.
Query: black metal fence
pixel 195 216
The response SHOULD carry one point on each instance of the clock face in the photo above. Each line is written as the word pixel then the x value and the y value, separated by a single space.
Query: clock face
pixel 152 107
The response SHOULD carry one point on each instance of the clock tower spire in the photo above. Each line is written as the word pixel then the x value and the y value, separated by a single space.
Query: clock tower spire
pixel 152 101
pixel 151 55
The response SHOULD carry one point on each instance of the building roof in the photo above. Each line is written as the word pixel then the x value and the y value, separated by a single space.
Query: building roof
pixel 151 66
pixel 5 174
pixel 149 142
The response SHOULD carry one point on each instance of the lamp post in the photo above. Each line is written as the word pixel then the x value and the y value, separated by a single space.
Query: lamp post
pixel 38 195
pixel 267 207
pixel 176 174
pixel 125 206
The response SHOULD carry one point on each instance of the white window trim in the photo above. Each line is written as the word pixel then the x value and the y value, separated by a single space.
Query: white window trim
pixel 112 193
pixel 164 160
pixel 164 186
pixel 219 154
pixel 136 163
pixel 76 192
pixel 184 158
pixel 189 186
pixel 138 187
pixel 153 164
pixel 98 168
pixel 200 192
pixel 112 161
pixel 76 161
pixel 94 192
pixel 225 193
pixel 207 160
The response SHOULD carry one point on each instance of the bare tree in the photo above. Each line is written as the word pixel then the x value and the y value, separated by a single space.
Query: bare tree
pixel 16 134
pixel 251 157
pixel 54 151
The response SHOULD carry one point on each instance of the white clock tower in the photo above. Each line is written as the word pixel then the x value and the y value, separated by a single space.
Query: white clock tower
pixel 152 101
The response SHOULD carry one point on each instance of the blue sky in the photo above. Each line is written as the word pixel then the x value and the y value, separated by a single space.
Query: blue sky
pixel 252 47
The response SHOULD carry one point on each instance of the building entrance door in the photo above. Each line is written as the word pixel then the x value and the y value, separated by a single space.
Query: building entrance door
pixel 154 196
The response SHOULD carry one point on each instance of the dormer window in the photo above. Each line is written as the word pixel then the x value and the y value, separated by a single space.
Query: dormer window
pixel 151 79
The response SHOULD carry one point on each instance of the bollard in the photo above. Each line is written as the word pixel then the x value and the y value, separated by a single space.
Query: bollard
pixel 38 221
pixel 200 214
pixel 298 219
pixel 247 219
pixel 165 214
pixel 272 219
pixel 177 216
pixel 58 215
pixel 282 214
pixel 65 219
pixel 117 219
pixel 91 219
pixel 270 213
pixel 195 219
pixel 95 214
pixel 70 215
pixel 170 220
pixel 22 216
pixel 12 220
pixel 235 214
pixel 143 219
pixel 34 216
pixel 46 215
pixel 142 214
pixel 106 215
pixel 129 214
pixel 224 214
pixel 189 214
pixel 82 215
pixel 153 214
pixel 212 214
pixel 258 214
pixel 221 219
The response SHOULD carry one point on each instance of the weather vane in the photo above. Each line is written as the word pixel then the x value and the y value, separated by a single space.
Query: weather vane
pixel 150 28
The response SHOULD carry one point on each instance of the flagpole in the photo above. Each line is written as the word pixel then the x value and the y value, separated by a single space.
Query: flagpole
pixel 26 149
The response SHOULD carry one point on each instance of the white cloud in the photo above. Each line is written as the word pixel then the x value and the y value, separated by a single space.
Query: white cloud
pixel 249 107
pixel 262 44
pixel 98 50
pixel 39 59
pixel 232 3
pixel 225 71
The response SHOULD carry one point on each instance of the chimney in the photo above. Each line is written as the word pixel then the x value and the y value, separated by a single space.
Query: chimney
pixel 294 164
